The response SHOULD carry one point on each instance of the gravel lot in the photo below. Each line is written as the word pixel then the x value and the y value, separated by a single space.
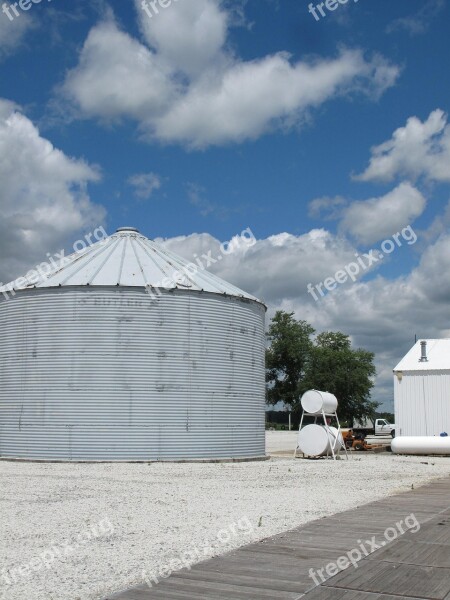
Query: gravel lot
pixel 143 516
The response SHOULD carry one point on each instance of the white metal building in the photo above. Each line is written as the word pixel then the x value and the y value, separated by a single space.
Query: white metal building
pixel 422 390
pixel 93 367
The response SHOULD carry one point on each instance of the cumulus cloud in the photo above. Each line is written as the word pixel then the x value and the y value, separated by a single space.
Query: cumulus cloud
pixel 190 37
pixel 379 218
pixel 250 99
pixel 275 268
pixel 420 149
pixel 190 89
pixel 43 197
pixel 111 64
pixel 145 184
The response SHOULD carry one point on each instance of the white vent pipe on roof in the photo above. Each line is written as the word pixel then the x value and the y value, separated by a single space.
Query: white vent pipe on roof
pixel 423 352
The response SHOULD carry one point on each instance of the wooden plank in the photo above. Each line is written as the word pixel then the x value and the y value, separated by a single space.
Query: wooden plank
pixel 432 533
pixel 414 553
pixel 169 591
pixel 178 587
pixel 428 583
pixel 279 584
pixel 327 593
pixel 297 575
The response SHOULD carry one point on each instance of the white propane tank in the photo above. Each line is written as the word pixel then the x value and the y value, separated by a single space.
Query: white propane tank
pixel 421 445
pixel 318 440
pixel 314 401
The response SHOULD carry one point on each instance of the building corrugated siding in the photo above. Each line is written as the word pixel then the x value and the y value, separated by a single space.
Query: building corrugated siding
pixel 422 403
pixel 109 373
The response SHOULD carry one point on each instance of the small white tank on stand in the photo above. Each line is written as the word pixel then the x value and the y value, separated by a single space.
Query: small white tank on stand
pixel 320 439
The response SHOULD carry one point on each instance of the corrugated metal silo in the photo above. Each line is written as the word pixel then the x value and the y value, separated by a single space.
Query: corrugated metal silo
pixel 93 367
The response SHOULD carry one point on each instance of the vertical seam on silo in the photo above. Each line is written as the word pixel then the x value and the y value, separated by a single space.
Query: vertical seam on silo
pixel 169 255
pixel 122 260
pixel 139 262
pixel 104 262
pixel 189 366
pixel 233 344
pixel 24 365
pixel 84 263
pixel 157 265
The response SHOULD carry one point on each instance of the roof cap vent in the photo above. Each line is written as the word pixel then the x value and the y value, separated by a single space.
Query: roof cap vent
pixel 423 352
pixel 129 229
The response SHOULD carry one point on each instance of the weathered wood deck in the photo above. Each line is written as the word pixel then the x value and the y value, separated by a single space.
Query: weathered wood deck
pixel 414 566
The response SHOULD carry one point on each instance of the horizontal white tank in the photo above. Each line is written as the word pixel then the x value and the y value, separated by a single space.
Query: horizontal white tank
pixel 313 402
pixel 318 440
pixel 423 445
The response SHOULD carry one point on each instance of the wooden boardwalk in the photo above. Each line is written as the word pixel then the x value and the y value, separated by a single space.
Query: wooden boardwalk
pixel 414 566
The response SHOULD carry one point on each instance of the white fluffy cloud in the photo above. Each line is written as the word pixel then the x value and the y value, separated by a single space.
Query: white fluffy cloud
pixel 275 268
pixel 43 198
pixel 189 36
pixel 416 150
pixel 379 218
pixel 188 88
pixel 249 99
pixel 118 77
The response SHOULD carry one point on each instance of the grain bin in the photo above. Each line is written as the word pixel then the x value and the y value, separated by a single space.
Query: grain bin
pixel 97 366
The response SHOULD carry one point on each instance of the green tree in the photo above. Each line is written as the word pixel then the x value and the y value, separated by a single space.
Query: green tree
pixel 287 357
pixel 295 363
pixel 348 373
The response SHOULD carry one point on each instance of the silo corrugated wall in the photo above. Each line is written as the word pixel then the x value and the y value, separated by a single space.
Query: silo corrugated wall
pixel 111 374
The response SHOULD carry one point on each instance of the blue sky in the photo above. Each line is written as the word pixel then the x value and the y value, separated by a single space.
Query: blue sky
pixel 212 117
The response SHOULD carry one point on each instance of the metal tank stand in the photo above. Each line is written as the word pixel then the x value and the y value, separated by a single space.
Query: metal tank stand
pixel 336 448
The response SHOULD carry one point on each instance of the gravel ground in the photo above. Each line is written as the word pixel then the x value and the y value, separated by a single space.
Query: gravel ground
pixel 278 441
pixel 144 516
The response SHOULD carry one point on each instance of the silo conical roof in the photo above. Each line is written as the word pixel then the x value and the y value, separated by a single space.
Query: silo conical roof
pixel 128 259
